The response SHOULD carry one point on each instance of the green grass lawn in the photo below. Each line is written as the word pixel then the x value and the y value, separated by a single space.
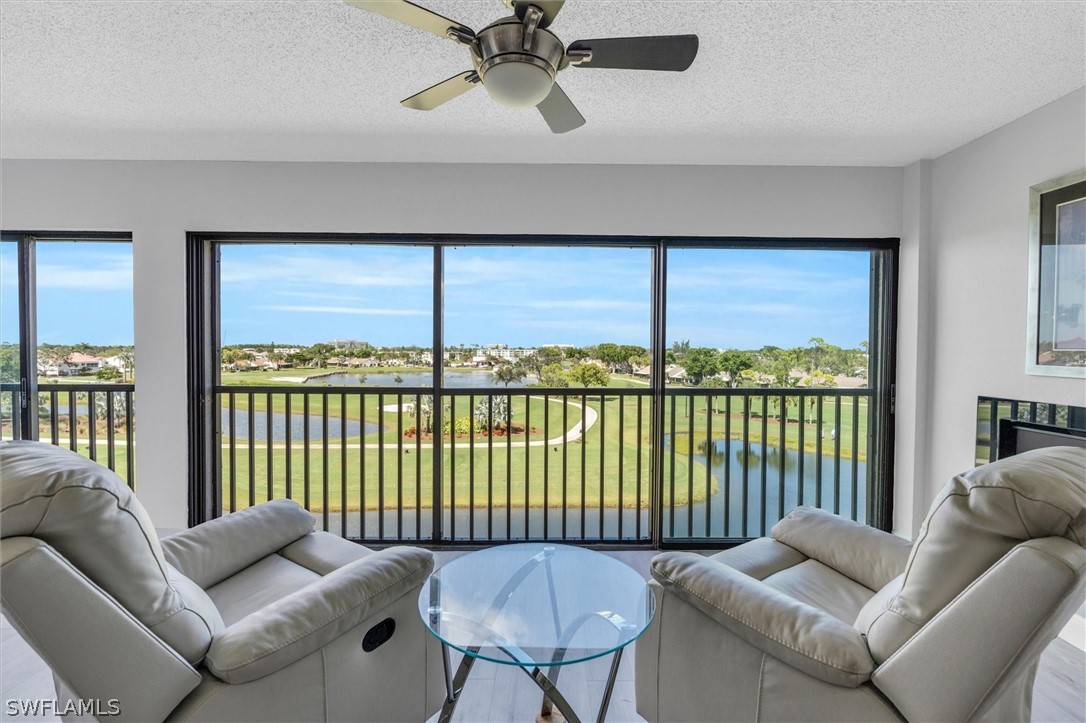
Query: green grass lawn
pixel 503 474
pixel 500 470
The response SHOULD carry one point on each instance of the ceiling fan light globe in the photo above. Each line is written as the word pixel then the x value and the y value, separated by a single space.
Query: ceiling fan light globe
pixel 518 85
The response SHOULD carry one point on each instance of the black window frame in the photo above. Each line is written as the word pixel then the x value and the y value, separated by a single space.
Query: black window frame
pixel 202 285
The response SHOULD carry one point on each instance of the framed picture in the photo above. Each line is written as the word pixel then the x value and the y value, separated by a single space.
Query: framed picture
pixel 1056 344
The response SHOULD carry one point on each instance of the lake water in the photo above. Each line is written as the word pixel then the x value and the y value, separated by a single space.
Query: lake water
pixel 731 459
pixel 297 426
pixel 686 521
pixel 455 380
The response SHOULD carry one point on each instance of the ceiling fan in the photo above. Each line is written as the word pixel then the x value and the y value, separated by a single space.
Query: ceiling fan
pixel 517 58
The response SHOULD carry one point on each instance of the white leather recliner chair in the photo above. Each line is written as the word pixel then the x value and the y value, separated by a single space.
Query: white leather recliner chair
pixel 829 620
pixel 249 617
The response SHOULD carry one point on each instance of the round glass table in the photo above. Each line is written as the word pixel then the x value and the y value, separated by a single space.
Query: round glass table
pixel 538 607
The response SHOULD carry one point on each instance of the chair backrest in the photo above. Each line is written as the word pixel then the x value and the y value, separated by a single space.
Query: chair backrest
pixel 976 519
pixel 87 514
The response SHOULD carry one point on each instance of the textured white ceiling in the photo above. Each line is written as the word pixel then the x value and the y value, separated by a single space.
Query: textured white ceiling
pixel 834 83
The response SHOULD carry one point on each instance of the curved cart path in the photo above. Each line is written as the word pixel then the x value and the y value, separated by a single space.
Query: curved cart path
pixel 589 418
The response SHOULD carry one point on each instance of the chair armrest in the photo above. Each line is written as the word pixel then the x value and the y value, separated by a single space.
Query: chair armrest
pixel 89 641
pixel 209 553
pixel 798 634
pixel 867 555
pixel 305 621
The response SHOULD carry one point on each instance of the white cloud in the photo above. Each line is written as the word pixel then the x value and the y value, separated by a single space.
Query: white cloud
pixel 585 305
pixel 323 271
pixel 108 274
pixel 358 311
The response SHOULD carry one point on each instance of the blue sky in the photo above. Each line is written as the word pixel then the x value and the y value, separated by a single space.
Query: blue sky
pixel 529 296
pixel 525 296
pixel 84 293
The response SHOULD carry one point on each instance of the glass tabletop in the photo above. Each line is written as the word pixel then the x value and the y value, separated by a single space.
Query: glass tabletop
pixel 536 604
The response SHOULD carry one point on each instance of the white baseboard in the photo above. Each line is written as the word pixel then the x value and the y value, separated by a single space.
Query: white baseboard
pixel 1074 631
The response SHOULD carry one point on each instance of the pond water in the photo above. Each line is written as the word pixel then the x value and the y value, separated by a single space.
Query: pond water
pixel 297 426
pixel 739 471
pixel 729 462
pixel 455 380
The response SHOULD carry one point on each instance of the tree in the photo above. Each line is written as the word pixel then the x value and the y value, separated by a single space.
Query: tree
pixel 638 361
pixel 128 364
pixel 733 363
pixel 507 374
pixel 701 363
pixel 491 410
pixel 230 355
pixel 817 380
pixel 575 353
pixel 120 406
pixel 9 363
pixel 532 363
pixel 107 374
pixel 617 357
pixel 679 348
pixel 589 375
pixel 552 375
pixel 424 413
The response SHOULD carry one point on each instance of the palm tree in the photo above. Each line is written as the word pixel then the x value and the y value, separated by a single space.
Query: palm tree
pixel 507 374
pixel 128 364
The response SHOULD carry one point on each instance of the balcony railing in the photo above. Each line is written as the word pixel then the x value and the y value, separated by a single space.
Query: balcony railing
pixel 544 464
pixel 94 420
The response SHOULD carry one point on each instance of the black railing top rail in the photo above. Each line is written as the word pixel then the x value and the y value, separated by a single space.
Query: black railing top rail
pixel 445 391
pixel 681 391
pixel 80 387
pixel 771 391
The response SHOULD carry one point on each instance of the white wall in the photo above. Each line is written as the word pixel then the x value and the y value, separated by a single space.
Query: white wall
pixel 978 276
pixel 158 202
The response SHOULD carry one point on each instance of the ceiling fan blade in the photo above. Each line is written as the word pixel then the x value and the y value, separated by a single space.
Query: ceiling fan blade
pixel 661 52
pixel 550 9
pixel 412 14
pixel 559 112
pixel 443 92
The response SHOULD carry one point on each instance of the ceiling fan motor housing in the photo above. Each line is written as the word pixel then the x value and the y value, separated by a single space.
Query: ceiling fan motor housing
pixel 516 76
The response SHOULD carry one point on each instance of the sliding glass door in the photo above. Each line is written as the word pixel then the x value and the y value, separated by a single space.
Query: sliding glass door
pixel 478 390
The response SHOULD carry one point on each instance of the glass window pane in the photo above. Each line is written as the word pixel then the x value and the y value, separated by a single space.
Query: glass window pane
pixel 84 312
pixel 339 314
pixel 768 404
pixel 544 307
pixel 9 339
pixel 9 315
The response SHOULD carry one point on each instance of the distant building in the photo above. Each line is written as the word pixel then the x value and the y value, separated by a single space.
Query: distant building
pixel 345 344
pixel 502 351
pixel 74 363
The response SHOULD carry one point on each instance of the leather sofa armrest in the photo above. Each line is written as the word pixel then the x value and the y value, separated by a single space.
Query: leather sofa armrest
pixel 90 642
pixel 305 621
pixel 862 553
pixel 798 634
pixel 213 551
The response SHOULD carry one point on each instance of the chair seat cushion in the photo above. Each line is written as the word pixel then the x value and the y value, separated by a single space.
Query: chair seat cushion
pixel 323 552
pixel 271 579
pixel 824 588
pixel 760 558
